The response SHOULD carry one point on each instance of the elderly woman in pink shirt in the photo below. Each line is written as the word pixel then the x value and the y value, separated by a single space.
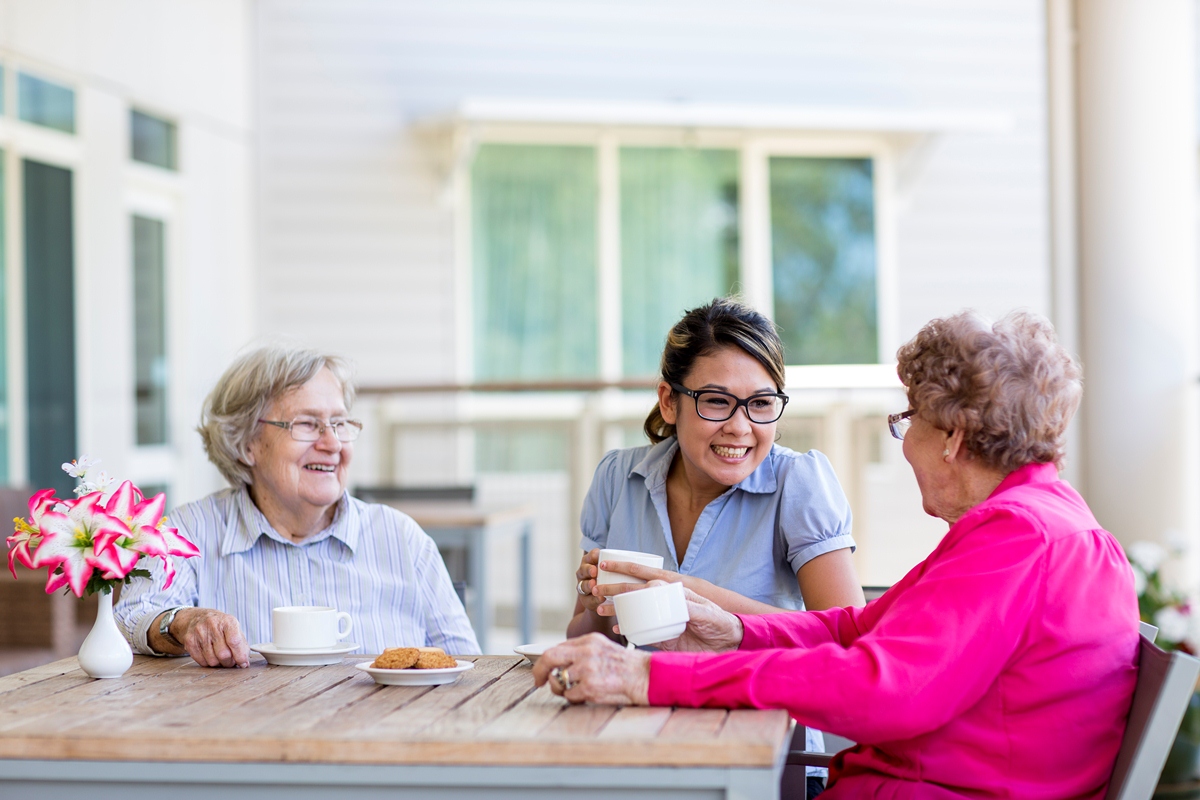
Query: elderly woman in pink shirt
pixel 1001 666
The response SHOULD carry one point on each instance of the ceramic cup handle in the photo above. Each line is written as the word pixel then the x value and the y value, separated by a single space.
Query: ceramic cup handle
pixel 342 634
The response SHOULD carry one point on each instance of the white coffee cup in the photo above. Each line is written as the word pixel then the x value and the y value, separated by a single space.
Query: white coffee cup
pixel 654 614
pixel 604 576
pixel 308 627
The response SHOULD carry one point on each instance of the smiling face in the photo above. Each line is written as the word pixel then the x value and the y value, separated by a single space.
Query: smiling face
pixel 300 479
pixel 720 454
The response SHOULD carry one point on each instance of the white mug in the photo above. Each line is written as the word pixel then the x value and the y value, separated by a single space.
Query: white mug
pixel 604 576
pixel 308 627
pixel 652 615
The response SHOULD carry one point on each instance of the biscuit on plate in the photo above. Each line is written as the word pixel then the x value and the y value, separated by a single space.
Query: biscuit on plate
pixel 431 650
pixel 397 658
pixel 435 661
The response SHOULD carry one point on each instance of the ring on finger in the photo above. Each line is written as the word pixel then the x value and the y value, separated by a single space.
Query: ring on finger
pixel 579 588
pixel 563 678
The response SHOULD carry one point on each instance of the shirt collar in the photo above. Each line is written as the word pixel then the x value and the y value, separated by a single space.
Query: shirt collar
pixel 247 524
pixel 657 462
pixel 1030 473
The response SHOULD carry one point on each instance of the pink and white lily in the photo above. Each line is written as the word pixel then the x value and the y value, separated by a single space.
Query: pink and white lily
pixel 78 541
pixel 148 535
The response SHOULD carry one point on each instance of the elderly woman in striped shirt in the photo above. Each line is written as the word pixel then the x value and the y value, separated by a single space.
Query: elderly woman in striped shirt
pixel 277 426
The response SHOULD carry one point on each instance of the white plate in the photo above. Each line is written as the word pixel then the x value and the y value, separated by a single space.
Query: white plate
pixel 303 658
pixel 532 652
pixel 415 677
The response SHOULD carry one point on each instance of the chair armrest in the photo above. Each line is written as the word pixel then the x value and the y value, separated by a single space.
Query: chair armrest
pixel 807 758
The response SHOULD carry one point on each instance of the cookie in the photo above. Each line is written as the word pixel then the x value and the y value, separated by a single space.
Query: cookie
pixel 435 661
pixel 397 658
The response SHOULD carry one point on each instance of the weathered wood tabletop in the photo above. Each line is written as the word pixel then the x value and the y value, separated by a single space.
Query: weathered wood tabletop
pixel 173 710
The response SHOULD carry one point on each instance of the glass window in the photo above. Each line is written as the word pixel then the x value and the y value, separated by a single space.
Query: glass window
pixel 149 330
pixel 534 252
pixel 679 242
pixel 49 324
pixel 151 140
pixel 44 103
pixel 823 259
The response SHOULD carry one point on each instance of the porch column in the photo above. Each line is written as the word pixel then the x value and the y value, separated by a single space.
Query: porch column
pixel 1138 301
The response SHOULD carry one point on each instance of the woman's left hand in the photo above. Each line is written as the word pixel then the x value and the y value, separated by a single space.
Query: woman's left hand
pixel 645 573
pixel 594 669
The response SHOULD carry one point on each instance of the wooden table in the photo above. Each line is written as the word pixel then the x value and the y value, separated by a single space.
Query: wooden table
pixel 172 728
pixel 473 528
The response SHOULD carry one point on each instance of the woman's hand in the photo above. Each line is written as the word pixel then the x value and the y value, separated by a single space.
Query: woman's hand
pixel 710 629
pixel 595 669
pixel 585 577
pixel 211 638
pixel 647 574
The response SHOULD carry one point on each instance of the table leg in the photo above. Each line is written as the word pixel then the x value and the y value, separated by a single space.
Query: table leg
pixel 477 548
pixel 528 626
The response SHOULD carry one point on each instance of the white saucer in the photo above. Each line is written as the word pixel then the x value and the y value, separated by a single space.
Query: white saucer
pixel 415 677
pixel 532 652
pixel 303 658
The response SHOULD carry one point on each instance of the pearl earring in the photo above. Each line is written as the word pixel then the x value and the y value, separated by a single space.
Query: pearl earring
pixel 946 452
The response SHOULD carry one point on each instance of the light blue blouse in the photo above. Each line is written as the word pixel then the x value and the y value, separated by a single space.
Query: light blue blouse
pixel 751 540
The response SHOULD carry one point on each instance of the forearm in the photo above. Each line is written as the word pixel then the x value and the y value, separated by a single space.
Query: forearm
pixel 585 622
pixel 728 600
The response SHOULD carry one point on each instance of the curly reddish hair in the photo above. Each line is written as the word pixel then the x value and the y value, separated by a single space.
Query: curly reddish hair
pixel 1010 387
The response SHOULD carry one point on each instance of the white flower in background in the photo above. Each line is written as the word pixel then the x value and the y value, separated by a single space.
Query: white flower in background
pixel 1177 543
pixel 1147 555
pixel 1139 580
pixel 1173 625
pixel 79 467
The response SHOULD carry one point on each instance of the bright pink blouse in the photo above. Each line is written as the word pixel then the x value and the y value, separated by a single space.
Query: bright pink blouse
pixel 1001 666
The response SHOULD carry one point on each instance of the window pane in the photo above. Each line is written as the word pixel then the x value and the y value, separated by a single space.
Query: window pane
pixel 45 103
pixel 823 259
pixel 679 242
pixel 521 449
pixel 151 140
pixel 149 330
pixel 534 253
pixel 49 324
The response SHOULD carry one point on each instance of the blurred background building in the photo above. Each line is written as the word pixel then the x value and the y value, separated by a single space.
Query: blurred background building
pixel 497 209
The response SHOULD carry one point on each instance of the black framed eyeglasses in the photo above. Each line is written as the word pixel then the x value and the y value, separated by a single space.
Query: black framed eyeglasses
pixel 310 429
pixel 717 406
pixel 899 424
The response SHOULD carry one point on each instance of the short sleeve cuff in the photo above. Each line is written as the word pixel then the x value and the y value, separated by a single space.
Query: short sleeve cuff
pixel 809 552
pixel 671 679
pixel 588 544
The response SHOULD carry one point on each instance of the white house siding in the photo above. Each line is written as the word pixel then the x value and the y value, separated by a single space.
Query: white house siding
pixel 356 227
pixel 188 61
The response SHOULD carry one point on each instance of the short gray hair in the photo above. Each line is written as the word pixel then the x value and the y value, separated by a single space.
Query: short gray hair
pixel 1010 387
pixel 229 419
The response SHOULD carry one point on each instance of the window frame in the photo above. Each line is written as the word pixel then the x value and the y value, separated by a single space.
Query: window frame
pixel 152 193
pixel 754 150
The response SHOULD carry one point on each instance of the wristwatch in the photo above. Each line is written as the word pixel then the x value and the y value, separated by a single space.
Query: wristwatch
pixel 164 625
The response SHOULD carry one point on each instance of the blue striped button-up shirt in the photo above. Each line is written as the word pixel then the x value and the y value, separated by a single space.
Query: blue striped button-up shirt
pixel 372 561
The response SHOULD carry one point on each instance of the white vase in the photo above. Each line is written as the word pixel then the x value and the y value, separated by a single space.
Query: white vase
pixel 105 653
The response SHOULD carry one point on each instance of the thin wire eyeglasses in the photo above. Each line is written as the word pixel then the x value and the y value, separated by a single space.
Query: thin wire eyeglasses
pixel 308 429
pixel 899 424
pixel 717 406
